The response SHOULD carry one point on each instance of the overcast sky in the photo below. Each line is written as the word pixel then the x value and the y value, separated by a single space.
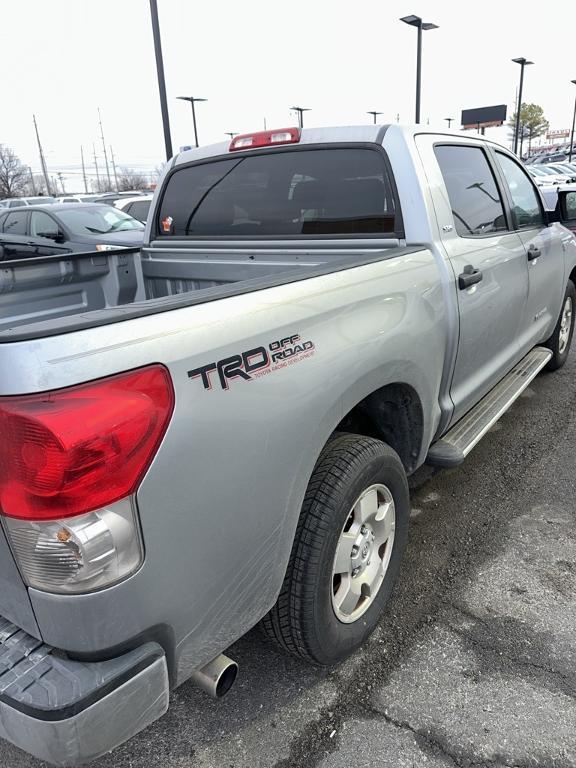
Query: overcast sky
pixel 253 59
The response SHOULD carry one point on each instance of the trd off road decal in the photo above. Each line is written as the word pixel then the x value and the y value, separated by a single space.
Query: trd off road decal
pixel 256 362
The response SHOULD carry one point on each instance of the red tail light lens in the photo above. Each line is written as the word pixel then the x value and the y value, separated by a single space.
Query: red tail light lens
pixel 265 139
pixel 70 451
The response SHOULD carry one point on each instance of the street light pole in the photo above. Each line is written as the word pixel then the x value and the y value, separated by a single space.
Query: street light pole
pixel 161 81
pixel 449 121
pixel 300 111
pixel 193 99
pixel 523 63
pixel 231 133
pixel 374 114
pixel 572 131
pixel 416 21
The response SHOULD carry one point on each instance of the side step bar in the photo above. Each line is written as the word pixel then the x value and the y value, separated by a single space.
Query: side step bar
pixel 456 444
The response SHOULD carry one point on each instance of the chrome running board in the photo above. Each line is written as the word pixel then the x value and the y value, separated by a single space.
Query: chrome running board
pixel 457 443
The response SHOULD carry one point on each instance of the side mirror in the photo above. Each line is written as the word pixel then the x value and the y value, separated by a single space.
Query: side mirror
pixel 58 237
pixel 566 206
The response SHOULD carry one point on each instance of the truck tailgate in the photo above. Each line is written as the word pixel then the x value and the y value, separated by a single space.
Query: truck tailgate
pixel 14 601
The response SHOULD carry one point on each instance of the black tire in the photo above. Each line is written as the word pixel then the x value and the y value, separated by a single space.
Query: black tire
pixel 559 358
pixel 303 622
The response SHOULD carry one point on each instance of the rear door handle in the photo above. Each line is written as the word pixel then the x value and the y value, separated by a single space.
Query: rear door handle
pixel 469 277
pixel 533 252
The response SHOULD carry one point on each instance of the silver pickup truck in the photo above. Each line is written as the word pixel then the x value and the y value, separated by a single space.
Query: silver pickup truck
pixel 216 430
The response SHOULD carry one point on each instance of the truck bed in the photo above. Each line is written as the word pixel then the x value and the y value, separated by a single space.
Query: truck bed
pixel 44 296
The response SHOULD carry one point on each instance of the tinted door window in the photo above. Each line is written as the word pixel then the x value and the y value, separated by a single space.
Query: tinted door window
pixel 15 223
pixel 474 196
pixel 139 210
pixel 526 207
pixel 42 225
pixel 303 192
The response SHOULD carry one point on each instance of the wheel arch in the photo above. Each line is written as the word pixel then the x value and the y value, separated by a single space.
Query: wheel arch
pixel 394 414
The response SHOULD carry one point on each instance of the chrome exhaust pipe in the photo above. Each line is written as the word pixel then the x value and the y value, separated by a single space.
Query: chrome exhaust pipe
pixel 217 677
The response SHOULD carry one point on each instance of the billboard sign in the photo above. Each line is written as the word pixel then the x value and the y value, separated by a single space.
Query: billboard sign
pixel 484 117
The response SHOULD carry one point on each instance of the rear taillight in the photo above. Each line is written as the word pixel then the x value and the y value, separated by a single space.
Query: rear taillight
pixel 265 139
pixel 71 461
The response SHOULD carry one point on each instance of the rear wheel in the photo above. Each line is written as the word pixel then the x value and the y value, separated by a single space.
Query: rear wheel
pixel 346 553
pixel 561 339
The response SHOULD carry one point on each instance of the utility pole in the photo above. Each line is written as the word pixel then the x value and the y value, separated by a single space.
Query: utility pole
pixel 449 121
pixel 104 148
pixel 83 168
pixel 231 133
pixel 161 81
pixel 114 167
pixel 32 182
pixel 42 160
pixel 374 114
pixel 96 166
pixel 59 174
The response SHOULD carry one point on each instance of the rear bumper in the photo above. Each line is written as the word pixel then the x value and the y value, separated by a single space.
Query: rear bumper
pixel 70 712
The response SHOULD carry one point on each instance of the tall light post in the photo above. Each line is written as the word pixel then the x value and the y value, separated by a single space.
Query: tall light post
pixel 449 120
pixel 416 21
pixel 193 100
pixel 374 114
pixel 161 81
pixel 300 111
pixel 231 133
pixel 523 63
pixel 572 131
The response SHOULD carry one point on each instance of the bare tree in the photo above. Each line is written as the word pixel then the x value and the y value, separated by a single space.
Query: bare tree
pixel 128 178
pixel 14 175
pixel 99 185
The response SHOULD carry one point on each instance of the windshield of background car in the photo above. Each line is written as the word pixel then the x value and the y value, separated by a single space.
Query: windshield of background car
pixel 97 220
pixel 330 191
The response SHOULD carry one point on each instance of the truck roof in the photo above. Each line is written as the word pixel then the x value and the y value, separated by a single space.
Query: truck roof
pixel 336 134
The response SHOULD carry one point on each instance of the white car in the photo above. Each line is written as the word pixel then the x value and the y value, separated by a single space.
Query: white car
pixel 137 207
pixel 545 176
pixel 18 202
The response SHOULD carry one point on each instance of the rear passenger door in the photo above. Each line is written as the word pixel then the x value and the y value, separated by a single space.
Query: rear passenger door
pixel 544 252
pixel 490 269
pixel 15 222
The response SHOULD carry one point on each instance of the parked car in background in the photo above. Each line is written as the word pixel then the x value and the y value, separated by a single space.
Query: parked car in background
pixel 18 202
pixel 110 198
pixel 22 247
pixel 554 157
pixel 548 175
pixel 541 178
pixel 563 169
pixel 76 227
pixel 137 207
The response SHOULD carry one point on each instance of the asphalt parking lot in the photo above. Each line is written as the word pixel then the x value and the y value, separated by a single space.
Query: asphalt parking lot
pixel 474 663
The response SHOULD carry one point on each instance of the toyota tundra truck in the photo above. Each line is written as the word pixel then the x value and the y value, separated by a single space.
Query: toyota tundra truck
pixel 215 431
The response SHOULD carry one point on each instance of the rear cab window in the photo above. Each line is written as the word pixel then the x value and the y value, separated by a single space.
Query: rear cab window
pixel 303 192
